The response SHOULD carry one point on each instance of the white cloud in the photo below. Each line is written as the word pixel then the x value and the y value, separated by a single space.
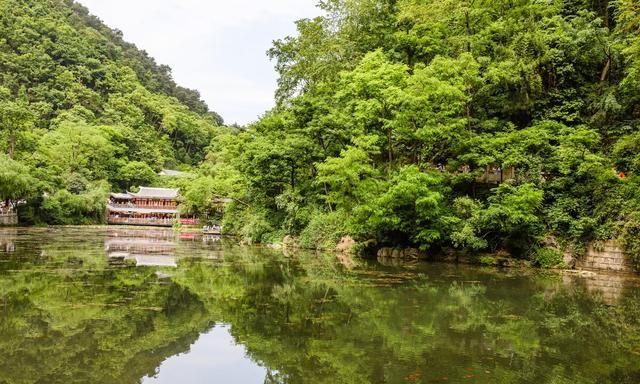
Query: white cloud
pixel 217 47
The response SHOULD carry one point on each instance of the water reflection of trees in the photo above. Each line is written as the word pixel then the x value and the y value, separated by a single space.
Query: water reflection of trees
pixel 78 318
pixel 313 325
pixel 75 319
pixel 459 326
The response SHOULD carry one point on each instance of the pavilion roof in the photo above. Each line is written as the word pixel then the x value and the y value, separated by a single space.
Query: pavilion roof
pixel 156 193
pixel 121 196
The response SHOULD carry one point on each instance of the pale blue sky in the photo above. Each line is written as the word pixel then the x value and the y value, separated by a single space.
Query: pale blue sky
pixel 215 46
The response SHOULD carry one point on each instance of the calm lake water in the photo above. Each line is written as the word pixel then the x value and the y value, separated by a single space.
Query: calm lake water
pixel 125 306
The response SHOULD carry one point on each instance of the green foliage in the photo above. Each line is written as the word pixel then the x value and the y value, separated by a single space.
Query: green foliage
pixel 251 225
pixel 487 260
pixel 76 148
pixel 547 258
pixel 412 205
pixel 16 119
pixel 631 238
pixel 324 230
pixel 513 216
pixel 15 181
pixel 474 125
pixel 65 207
pixel 199 196
pixel 136 173
pixel 345 178
pixel 394 115
pixel 467 233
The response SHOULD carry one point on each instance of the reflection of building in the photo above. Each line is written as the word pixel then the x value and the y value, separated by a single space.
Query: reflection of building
pixel 608 286
pixel 8 215
pixel 150 206
pixel 146 248
pixel 8 239
pixel 211 238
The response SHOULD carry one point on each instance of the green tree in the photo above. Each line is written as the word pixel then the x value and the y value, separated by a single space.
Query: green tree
pixel 16 182
pixel 412 206
pixel 76 148
pixel 15 121
pixel 137 173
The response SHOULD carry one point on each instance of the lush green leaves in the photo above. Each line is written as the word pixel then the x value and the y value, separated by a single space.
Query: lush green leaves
pixel 15 181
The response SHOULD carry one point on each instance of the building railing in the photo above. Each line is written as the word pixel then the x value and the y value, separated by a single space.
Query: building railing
pixel 145 206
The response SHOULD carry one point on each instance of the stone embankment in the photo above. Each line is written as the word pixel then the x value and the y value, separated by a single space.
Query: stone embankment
pixel 392 256
pixel 401 253
pixel 607 256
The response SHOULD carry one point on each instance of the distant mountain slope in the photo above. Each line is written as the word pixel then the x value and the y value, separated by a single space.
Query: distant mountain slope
pixel 61 60
pixel 155 77
pixel 83 112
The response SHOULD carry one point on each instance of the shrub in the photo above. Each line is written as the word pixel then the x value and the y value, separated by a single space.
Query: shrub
pixel 256 226
pixel 64 207
pixel 324 230
pixel 547 258
pixel 631 238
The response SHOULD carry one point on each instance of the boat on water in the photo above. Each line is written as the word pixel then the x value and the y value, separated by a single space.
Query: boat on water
pixel 212 230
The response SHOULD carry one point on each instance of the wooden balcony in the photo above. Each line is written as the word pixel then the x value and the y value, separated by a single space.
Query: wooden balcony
pixel 143 206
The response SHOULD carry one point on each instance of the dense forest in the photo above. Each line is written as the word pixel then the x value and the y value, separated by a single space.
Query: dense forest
pixel 393 114
pixel 440 124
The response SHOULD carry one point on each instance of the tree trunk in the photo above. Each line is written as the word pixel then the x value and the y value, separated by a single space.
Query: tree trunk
pixel 605 71
pixel 12 145
pixel 390 147
pixel 468 25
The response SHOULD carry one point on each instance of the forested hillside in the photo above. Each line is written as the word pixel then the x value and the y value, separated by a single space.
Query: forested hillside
pixel 393 115
pixel 82 111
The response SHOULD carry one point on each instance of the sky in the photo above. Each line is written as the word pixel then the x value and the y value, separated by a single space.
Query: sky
pixel 215 46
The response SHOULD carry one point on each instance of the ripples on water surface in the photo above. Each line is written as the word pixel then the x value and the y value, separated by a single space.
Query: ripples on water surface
pixel 111 305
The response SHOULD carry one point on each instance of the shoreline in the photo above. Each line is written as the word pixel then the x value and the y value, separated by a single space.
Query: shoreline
pixel 385 255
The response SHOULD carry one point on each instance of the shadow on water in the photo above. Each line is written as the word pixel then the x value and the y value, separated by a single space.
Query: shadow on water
pixel 112 305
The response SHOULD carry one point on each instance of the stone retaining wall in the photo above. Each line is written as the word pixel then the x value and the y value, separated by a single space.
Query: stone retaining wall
pixel 401 253
pixel 606 255
pixel 8 219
